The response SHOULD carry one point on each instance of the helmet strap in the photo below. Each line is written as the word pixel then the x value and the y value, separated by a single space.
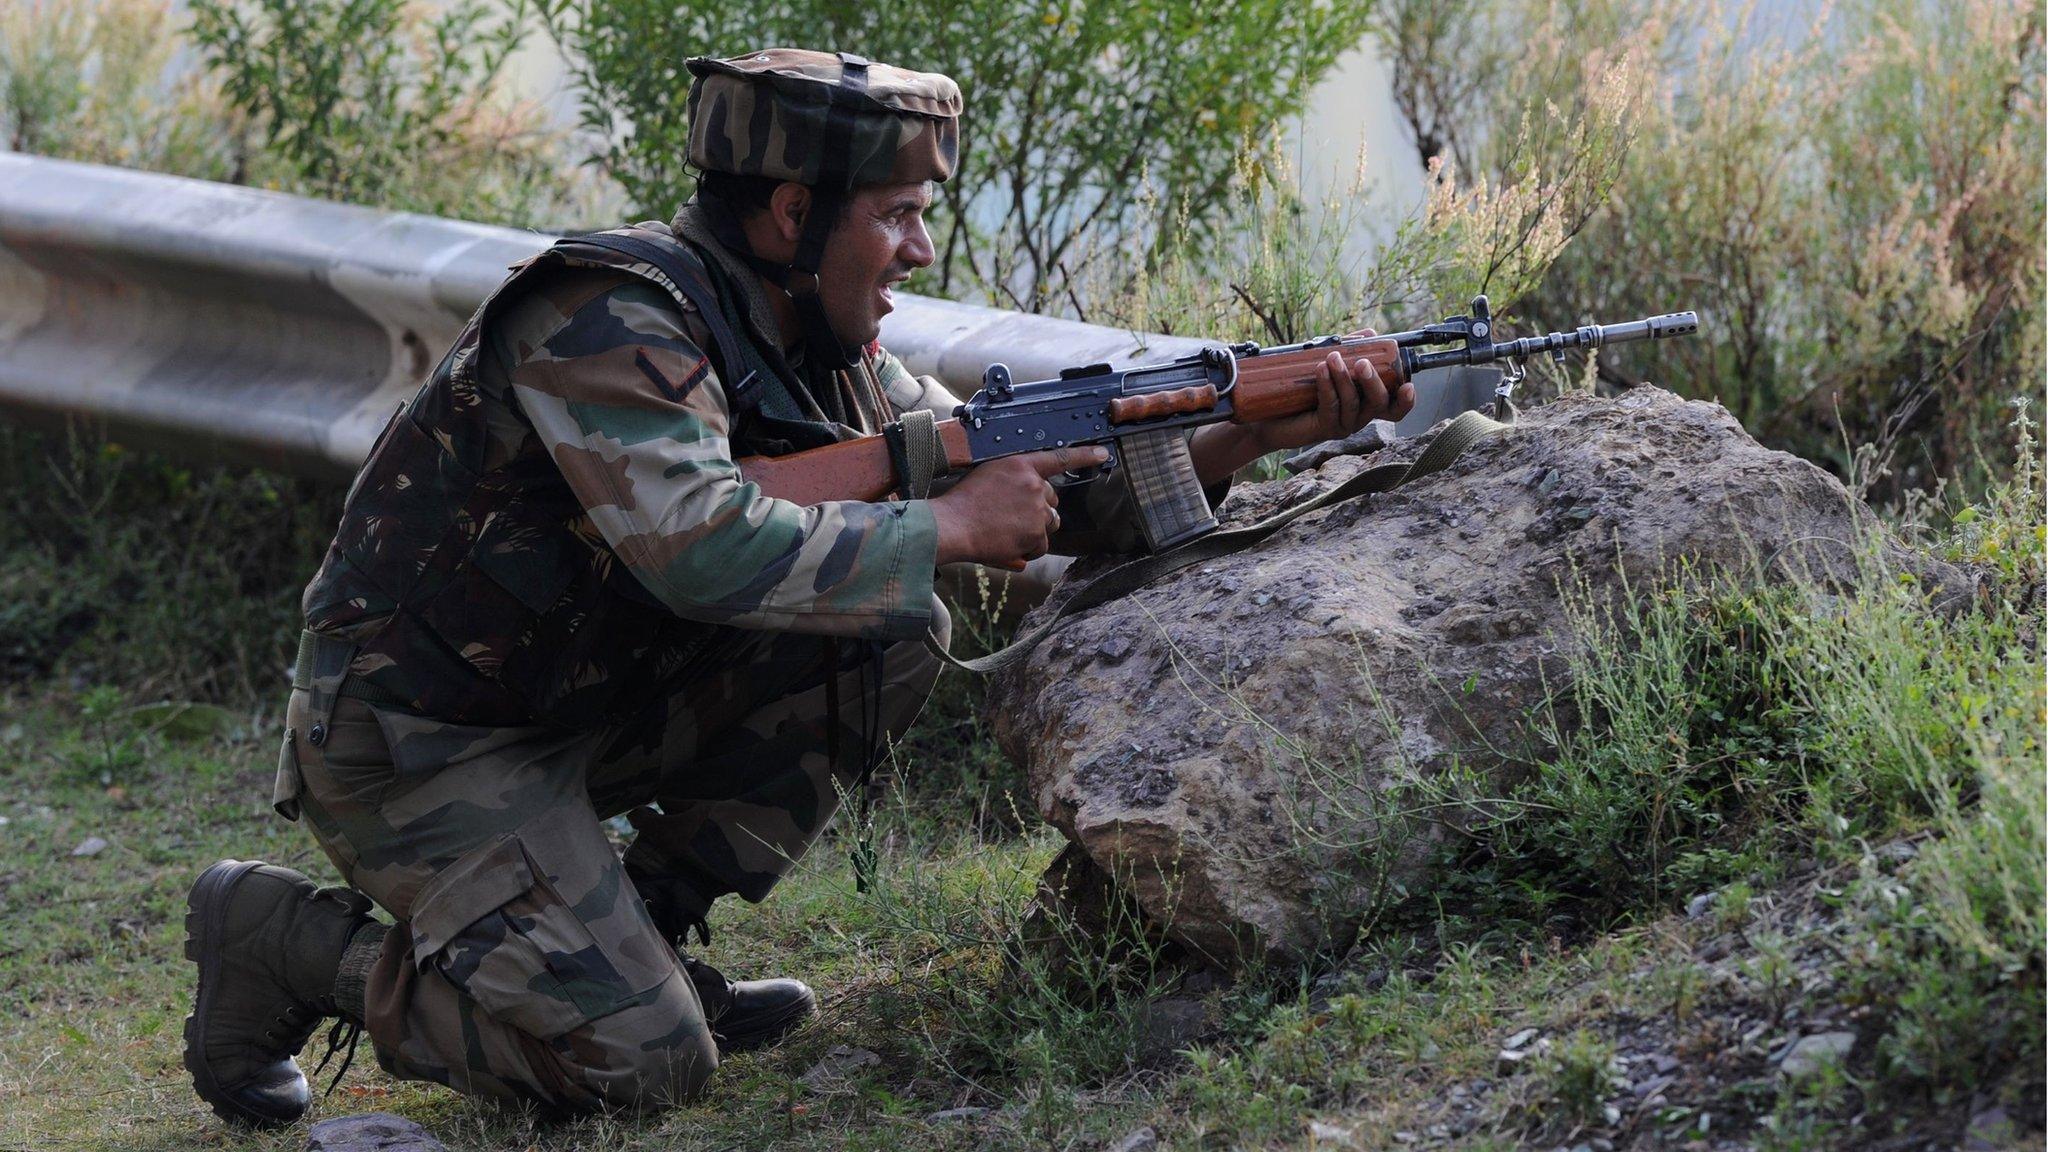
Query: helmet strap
pixel 823 348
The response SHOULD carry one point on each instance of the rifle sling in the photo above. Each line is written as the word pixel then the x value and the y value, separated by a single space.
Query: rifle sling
pixel 916 452
pixel 1450 443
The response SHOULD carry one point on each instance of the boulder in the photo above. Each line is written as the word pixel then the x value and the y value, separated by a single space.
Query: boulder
pixel 1242 745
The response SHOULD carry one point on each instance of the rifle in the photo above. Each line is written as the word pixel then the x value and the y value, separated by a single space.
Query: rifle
pixel 1140 413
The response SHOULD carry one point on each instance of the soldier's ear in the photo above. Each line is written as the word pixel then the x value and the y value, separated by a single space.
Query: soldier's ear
pixel 787 207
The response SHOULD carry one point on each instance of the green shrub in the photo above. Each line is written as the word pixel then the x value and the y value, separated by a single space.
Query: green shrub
pixel 1856 209
pixel 379 102
pixel 1571 1082
pixel 157 578
pixel 97 80
pixel 1075 112
pixel 1676 757
pixel 1289 272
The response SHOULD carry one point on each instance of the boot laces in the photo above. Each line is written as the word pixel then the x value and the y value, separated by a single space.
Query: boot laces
pixel 345 1034
pixel 292 1027
pixel 711 985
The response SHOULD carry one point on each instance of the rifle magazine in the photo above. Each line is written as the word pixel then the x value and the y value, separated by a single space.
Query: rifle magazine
pixel 1160 471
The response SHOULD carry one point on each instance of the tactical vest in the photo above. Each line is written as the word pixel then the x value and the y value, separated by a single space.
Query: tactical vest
pixel 481 593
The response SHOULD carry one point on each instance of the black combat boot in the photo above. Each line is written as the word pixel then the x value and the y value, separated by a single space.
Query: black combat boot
pixel 276 956
pixel 749 1014
pixel 743 1014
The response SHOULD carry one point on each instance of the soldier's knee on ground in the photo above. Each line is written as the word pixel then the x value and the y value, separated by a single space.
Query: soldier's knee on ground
pixel 540 974
pixel 652 1056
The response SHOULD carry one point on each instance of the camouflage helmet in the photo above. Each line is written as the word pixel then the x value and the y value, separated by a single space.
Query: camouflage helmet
pixel 822 119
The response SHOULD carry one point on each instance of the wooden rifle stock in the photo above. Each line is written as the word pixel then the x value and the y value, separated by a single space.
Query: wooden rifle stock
pixel 849 470
pixel 1269 387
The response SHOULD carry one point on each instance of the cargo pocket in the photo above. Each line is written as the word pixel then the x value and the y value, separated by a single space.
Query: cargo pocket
pixel 495 928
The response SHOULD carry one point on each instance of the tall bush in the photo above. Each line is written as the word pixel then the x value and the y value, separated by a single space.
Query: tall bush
pixel 1077 113
pixel 384 103
pixel 1286 269
pixel 98 80
pixel 1855 207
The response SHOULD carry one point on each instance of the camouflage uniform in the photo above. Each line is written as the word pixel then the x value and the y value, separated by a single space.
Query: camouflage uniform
pixel 553 599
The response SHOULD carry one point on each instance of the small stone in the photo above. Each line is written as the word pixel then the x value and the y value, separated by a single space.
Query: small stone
pixel 91 846
pixel 1172 1024
pixel 1114 649
pixel 1812 1052
pixel 1510 1061
pixel 838 1064
pixel 1142 1140
pixel 1699 905
pixel 1323 1135
pixel 1325 989
pixel 1520 1040
pixel 956 1115
pixel 371 1132
pixel 1602 1144
pixel 1430 1051
pixel 1652 1086
pixel 1405 1137
pixel 1989 1131
pixel 1665 1062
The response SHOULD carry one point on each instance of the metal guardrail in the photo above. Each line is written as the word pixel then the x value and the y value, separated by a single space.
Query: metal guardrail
pixel 219 322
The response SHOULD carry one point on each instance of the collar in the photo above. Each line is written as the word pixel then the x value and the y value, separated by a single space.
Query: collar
pixel 759 316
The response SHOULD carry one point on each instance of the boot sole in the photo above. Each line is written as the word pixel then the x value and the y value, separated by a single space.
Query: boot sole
pixel 205 908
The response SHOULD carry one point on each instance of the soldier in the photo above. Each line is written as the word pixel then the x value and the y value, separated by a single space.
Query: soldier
pixel 553 599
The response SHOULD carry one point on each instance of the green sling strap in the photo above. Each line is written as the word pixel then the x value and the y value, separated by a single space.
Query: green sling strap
pixel 1467 429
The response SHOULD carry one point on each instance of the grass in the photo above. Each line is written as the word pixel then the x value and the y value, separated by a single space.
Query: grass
pixel 1859 791
pixel 1852 799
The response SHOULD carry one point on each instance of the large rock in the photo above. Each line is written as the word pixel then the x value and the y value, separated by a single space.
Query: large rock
pixel 1238 744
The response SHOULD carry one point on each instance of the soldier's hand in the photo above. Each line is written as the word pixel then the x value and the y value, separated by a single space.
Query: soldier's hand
pixel 1004 512
pixel 1348 394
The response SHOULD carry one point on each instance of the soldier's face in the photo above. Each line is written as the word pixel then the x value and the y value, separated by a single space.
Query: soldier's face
pixel 878 243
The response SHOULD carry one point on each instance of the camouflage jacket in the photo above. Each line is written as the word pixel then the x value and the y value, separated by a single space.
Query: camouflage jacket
pixel 554 526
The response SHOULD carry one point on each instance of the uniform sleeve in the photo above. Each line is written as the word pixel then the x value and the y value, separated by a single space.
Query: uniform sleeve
pixel 1096 515
pixel 636 419
pixel 907 392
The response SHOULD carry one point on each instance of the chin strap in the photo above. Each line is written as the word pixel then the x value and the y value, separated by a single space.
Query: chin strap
pixel 822 346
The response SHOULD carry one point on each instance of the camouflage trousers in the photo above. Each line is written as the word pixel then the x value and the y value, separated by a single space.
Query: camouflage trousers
pixel 524 964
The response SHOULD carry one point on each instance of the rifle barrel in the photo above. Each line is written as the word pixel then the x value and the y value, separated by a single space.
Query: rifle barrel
pixel 1589 336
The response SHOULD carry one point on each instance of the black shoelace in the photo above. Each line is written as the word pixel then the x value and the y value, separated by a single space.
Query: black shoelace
pixel 345 1033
